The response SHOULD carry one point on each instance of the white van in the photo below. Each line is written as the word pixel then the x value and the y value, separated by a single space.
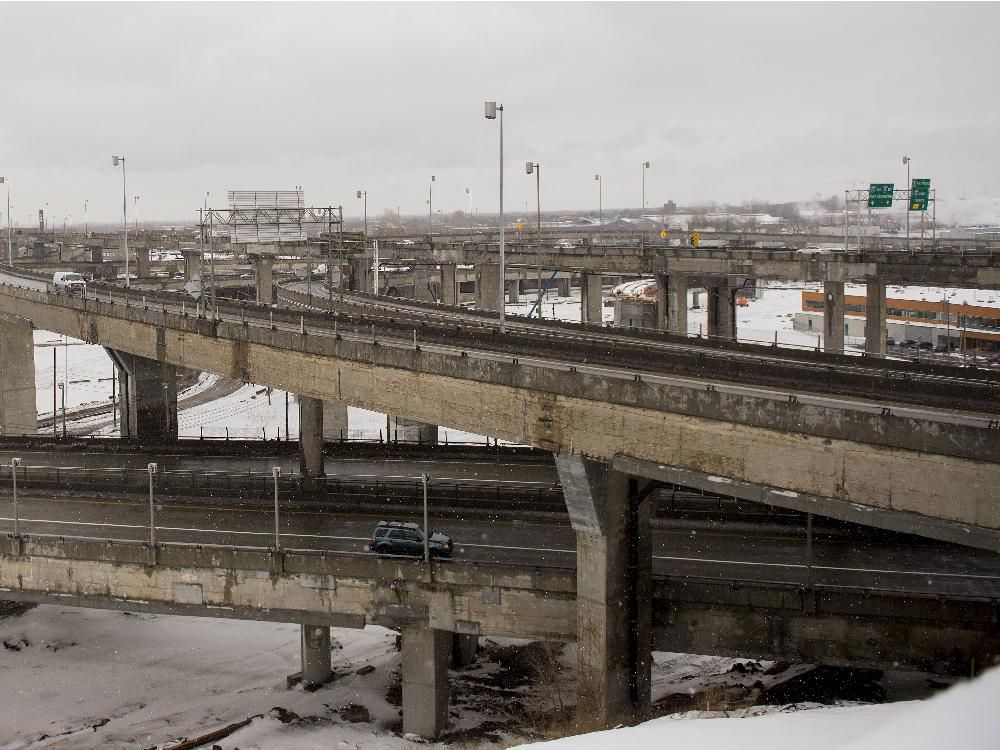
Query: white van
pixel 70 282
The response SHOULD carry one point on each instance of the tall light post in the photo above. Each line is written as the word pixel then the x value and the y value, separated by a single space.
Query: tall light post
pixel 600 199
pixel 430 206
pixel 135 211
pixel 14 463
pixel 491 114
pixel 363 195
pixel 468 192
pixel 115 161
pixel 642 226
pixel 152 469
pixel 906 162
pixel 533 167
pixel 86 219
pixel 10 248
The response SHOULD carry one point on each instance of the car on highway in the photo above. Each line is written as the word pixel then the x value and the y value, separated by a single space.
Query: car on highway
pixel 407 538
pixel 70 282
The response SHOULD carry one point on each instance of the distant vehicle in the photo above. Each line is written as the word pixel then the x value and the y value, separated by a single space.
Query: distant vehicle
pixel 404 538
pixel 406 242
pixel 810 250
pixel 69 281
pixel 565 244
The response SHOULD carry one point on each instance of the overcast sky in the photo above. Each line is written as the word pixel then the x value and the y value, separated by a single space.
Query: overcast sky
pixel 729 102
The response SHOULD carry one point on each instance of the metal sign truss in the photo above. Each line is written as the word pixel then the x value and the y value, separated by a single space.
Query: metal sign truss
pixel 861 198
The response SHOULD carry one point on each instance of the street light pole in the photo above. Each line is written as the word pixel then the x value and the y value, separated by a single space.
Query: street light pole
pixel 642 226
pixel 86 219
pixel 536 168
pixel 115 160
pixel 906 161
pixel 600 200
pixel 151 468
pixel 275 473
pixel 10 248
pixel 363 194
pixel 14 463
pixel 62 396
pixel 491 113
pixel 430 206
pixel 427 532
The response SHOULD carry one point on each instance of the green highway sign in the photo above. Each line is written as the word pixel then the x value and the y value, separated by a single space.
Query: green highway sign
pixel 920 192
pixel 880 195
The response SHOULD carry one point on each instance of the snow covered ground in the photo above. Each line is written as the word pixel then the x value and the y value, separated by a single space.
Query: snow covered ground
pixel 79 678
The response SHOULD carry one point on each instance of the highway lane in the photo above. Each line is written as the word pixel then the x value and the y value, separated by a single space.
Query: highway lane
pixel 508 470
pixel 894 564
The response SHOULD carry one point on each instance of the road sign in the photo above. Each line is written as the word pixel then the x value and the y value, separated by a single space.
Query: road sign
pixel 880 195
pixel 663 234
pixel 920 192
pixel 695 239
pixel 520 226
pixel 193 288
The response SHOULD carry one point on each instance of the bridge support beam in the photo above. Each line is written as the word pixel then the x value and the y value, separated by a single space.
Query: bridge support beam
pixel 513 291
pixel 591 302
pixel 142 262
pixel 335 423
pixel 833 316
pixel 677 307
pixel 422 284
pixel 721 313
pixel 488 287
pixel 360 279
pixel 315 650
pixel 449 287
pixel 425 680
pixel 463 650
pixel 311 464
pixel 875 334
pixel 263 271
pixel 147 390
pixel 408 431
pixel 18 411
pixel 610 514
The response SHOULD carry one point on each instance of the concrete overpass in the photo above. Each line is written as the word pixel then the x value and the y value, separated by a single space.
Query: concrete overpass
pixel 615 408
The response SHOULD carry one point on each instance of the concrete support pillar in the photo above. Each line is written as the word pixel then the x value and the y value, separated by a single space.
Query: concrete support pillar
pixel 875 333
pixel 425 680
pixel 147 390
pixel 311 438
pixel 463 650
pixel 96 254
pixel 488 287
pixel 408 431
pixel 662 304
pixel 562 286
pixel 316 664
pixel 263 271
pixel 833 316
pixel 721 313
pixel 677 308
pixel 422 284
pixel 513 289
pixel 449 287
pixel 18 413
pixel 142 262
pixel 591 301
pixel 335 422
pixel 610 514
pixel 360 279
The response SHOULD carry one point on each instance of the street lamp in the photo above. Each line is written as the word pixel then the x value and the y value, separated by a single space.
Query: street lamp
pixel 152 469
pixel 135 211
pixel 491 114
pixel 363 195
pixel 86 219
pixel 535 168
pixel 115 161
pixel 430 206
pixel 642 226
pixel 468 192
pixel 10 248
pixel 14 463
pixel 600 199
pixel 62 395
pixel 906 162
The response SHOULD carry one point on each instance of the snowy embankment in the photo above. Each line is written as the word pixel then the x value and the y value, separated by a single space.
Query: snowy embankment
pixel 964 717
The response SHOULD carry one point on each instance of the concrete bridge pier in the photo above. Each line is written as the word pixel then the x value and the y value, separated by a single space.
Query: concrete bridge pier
pixel 449 286
pixel 18 412
pixel 360 278
pixel 591 302
pixel 147 392
pixel 833 316
pixel 671 303
pixel 488 287
pixel 335 422
pixel 317 667
pixel 463 650
pixel 721 313
pixel 512 290
pixel 422 289
pixel 263 272
pixel 408 431
pixel 425 680
pixel 192 265
pixel 142 262
pixel 610 513
pixel 875 333
pixel 311 465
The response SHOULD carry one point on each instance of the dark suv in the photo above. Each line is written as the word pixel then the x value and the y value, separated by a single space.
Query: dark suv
pixel 401 538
